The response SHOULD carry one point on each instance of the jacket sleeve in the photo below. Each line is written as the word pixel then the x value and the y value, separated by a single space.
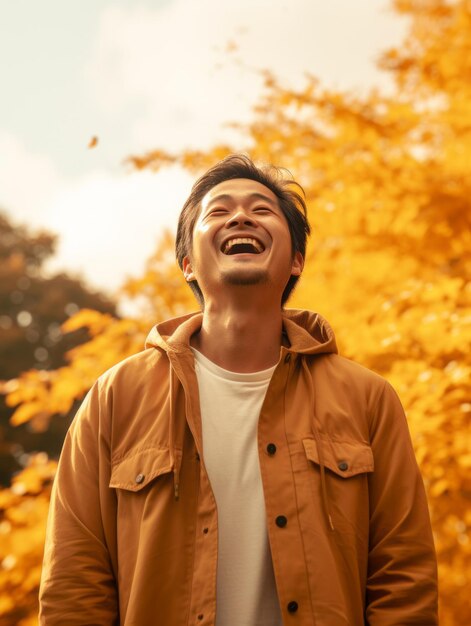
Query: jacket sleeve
pixel 77 580
pixel 402 572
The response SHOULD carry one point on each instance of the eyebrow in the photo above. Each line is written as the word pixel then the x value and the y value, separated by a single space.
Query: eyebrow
pixel 252 196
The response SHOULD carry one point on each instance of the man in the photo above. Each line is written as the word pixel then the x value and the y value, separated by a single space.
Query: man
pixel 238 471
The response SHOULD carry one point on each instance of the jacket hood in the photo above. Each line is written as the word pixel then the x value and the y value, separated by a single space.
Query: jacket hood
pixel 307 332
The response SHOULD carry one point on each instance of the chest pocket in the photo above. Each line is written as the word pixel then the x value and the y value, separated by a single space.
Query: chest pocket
pixel 139 468
pixel 344 458
pixel 348 464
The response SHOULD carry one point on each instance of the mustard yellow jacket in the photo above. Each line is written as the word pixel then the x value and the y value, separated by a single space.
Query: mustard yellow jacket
pixel 132 536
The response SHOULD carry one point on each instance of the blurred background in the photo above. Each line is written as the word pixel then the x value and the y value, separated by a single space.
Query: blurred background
pixel 111 109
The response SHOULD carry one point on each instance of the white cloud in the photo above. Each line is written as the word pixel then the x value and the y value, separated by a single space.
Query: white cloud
pixel 28 181
pixel 171 63
pixel 109 225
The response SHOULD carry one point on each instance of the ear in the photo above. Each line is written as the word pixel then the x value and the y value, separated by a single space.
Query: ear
pixel 187 270
pixel 297 264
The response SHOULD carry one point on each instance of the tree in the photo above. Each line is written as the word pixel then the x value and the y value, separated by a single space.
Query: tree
pixel 389 200
pixel 33 307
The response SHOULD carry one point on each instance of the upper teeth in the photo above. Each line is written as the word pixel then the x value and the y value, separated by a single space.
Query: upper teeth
pixel 232 242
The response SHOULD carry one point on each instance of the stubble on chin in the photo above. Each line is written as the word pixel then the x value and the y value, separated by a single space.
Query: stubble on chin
pixel 258 277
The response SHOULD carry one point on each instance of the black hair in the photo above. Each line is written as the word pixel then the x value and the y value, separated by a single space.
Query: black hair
pixel 274 178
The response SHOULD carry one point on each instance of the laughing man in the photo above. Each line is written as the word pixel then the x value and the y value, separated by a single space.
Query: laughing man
pixel 239 471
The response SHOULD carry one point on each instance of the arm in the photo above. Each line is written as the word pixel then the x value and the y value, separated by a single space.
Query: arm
pixel 77 581
pixel 402 574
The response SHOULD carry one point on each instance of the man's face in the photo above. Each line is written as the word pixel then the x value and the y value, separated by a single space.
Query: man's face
pixel 241 237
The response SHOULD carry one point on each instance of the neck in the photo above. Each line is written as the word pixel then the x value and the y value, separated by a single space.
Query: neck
pixel 242 338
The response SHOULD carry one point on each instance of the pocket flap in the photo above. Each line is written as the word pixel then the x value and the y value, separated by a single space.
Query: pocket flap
pixel 345 458
pixel 138 468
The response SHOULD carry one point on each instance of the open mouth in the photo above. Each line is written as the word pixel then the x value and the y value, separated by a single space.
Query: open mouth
pixel 242 245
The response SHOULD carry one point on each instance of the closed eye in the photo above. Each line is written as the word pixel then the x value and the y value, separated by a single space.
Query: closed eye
pixel 217 211
pixel 262 208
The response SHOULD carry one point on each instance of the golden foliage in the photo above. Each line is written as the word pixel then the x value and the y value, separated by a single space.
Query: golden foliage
pixel 389 196
pixel 161 290
pixel 23 515
pixel 40 394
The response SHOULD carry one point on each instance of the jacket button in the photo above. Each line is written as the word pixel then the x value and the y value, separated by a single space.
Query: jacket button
pixel 288 358
pixel 281 521
pixel 200 616
pixel 271 448
pixel 139 478
pixel 292 606
pixel 343 466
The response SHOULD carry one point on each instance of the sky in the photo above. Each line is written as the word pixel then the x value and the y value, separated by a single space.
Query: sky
pixel 141 75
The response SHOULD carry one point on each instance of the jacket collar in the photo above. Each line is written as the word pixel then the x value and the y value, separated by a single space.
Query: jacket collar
pixel 307 332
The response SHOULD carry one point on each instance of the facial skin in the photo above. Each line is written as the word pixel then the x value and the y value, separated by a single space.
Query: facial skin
pixel 241 208
pixel 242 319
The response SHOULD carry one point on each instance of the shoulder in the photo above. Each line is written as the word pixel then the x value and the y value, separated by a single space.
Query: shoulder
pixel 120 391
pixel 344 371
pixel 133 370
pixel 355 385
pixel 132 373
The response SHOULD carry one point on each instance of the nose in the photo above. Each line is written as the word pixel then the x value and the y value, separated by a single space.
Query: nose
pixel 241 217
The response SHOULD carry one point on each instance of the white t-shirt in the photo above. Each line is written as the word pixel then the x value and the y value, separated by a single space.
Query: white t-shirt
pixel 230 408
